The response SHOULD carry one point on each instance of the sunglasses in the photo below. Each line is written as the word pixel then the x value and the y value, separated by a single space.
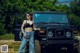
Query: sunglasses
pixel 28 15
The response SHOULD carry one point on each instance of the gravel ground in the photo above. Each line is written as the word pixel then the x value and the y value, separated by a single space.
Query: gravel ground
pixel 79 42
pixel 16 44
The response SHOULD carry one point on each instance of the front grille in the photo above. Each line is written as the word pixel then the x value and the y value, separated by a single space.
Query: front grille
pixel 54 33
pixel 59 33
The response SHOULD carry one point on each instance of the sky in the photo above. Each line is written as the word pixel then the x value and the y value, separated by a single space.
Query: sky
pixel 65 0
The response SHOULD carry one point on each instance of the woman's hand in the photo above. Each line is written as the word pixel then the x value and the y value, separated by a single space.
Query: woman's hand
pixel 25 35
pixel 36 28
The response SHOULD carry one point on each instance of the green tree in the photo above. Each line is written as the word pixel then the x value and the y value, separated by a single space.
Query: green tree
pixel 12 9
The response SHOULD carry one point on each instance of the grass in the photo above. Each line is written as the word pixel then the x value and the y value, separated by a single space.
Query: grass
pixel 7 36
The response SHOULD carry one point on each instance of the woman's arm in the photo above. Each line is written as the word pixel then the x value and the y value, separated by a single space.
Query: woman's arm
pixel 24 22
pixel 35 28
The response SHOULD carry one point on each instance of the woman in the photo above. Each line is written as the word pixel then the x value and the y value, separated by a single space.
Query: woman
pixel 28 34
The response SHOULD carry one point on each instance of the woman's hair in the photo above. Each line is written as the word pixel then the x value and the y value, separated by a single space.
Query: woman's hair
pixel 29 14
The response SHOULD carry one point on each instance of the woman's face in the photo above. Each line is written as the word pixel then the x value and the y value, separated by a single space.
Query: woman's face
pixel 28 17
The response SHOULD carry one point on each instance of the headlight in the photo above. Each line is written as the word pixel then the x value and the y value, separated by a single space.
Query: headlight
pixel 50 34
pixel 68 34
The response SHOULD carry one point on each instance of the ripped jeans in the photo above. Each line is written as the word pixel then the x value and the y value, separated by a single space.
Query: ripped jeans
pixel 25 41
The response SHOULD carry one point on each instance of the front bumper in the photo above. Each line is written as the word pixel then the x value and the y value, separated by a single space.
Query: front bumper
pixel 57 42
pixel 57 46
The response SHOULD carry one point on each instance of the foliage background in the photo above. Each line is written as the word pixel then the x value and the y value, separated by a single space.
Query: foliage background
pixel 10 10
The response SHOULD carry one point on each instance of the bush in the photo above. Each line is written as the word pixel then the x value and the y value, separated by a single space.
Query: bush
pixel 2 30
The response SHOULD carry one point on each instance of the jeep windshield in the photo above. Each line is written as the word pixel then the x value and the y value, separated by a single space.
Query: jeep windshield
pixel 50 18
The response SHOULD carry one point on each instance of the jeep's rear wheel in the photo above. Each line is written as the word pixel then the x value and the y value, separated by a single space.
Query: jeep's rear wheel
pixel 76 50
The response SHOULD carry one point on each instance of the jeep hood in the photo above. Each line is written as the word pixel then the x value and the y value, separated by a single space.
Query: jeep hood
pixel 54 26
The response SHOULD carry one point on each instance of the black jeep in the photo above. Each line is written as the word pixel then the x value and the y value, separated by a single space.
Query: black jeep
pixel 55 33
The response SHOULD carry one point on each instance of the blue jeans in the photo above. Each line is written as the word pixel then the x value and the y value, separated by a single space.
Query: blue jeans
pixel 25 41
